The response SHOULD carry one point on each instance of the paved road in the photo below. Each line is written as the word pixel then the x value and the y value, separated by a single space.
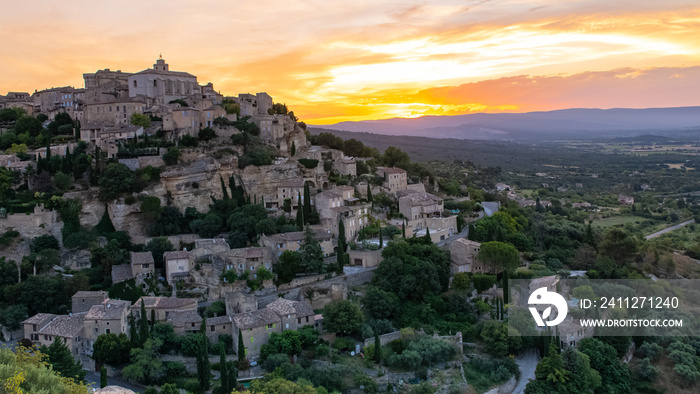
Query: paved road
pixel 527 364
pixel 664 231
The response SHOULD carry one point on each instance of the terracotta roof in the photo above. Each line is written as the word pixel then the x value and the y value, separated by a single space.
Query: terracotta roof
pixel 283 307
pixel 109 310
pixel 261 317
pixel 141 258
pixel 180 318
pixel 181 254
pixel 253 252
pixel 121 273
pixel 65 326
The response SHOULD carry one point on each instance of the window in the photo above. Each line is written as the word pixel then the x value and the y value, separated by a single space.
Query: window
pixel 135 85
pixel 96 330
pixel 307 319
pixel 145 266
pixel 192 324
pixel 108 331
pixel 286 325
pixel 110 108
pixel 212 328
pixel 155 83
pixel 269 326
pixel 299 320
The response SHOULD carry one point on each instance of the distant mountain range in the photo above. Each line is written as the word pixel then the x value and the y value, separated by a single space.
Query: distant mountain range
pixel 567 124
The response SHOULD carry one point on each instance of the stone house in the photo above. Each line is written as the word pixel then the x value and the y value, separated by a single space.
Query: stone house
pixel 278 243
pixel 395 179
pixel 571 332
pixel 217 326
pixel 625 200
pixel 163 306
pixel 289 189
pixel 42 329
pixel 340 203
pixel 55 100
pixel 365 258
pixel 114 112
pixel 56 150
pixel 111 317
pixel 142 267
pixel 82 301
pixel 416 205
pixel 207 115
pixel 247 259
pixel 183 120
pixel 185 322
pixel 177 266
pixel 464 257
pixel 239 302
pixel 277 316
pixel 346 166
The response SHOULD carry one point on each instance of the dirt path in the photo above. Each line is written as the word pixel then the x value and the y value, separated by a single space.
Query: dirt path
pixel 667 229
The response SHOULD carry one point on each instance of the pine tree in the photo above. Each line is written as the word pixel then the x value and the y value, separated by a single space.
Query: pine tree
pixel 471 233
pixel 588 237
pixel 223 188
pixel 377 348
pixel 381 239
pixel 62 361
pixel 103 377
pixel 307 203
pixel 293 151
pixel 143 325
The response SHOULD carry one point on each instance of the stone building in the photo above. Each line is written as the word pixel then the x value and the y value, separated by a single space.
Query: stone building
pixel 163 306
pixel 239 302
pixel 177 266
pixel 278 243
pixel 395 179
pixel 464 256
pixel 339 204
pixel 162 84
pixel 416 205
pixel 113 112
pixel 247 259
pixel 185 322
pixel 110 317
pixel 55 100
pixel 346 166
pixel 289 189
pixel 142 267
pixel 182 121
pixel 277 316
pixel 82 301
pixel 42 329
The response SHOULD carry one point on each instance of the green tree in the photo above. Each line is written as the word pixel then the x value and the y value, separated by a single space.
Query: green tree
pixel 293 150
pixel 62 361
pixel 25 372
pixel 103 377
pixel 461 281
pixel 311 253
pixel 377 349
pixel 241 348
pixel 279 385
pixel 300 212
pixel 206 134
pixel 288 266
pixel 499 256
pixel 395 157
pixel 172 156
pixel 615 377
pixel 157 246
pixel 307 203
pixel 551 368
pixel 144 332
pixel 202 358
pixel 146 365
pixel 380 304
pixel 343 317
pixel 150 207
pixel 116 180
pixel 140 120
pixel 112 349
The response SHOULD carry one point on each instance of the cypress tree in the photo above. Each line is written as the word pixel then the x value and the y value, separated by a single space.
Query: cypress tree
pixel 224 371
pixel 471 232
pixel 262 201
pixel 307 203
pixel 293 151
pixel 427 238
pixel 342 246
pixel 133 334
pixel 241 347
pixel 506 288
pixel 381 240
pixel 143 325
pixel 203 366
pixel 369 194
pixel 103 377
pixel 377 348
pixel 153 317
pixel 300 214
pixel 403 230
pixel 203 327
pixel 223 188
pixel 105 226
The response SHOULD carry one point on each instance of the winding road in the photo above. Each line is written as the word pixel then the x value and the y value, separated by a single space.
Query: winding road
pixel 667 229
pixel 527 363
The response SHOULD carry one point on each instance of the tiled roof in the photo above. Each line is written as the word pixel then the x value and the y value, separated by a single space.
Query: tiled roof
pixel 182 254
pixel 284 307
pixel 345 188
pixel 109 310
pixel 261 317
pixel 162 72
pixel 180 318
pixel 215 321
pixel 420 199
pixel 391 170
pixel 65 326
pixel 293 183
pixel 90 294
pixel 141 258
pixel 121 273
pixel 298 236
pixel 39 318
pixel 166 302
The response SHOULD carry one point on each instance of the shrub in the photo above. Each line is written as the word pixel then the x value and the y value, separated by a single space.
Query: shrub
pixel 309 163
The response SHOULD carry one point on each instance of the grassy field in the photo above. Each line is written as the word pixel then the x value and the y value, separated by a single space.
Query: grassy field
pixel 617 220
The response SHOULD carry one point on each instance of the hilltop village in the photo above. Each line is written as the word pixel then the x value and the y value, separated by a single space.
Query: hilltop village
pixel 157 234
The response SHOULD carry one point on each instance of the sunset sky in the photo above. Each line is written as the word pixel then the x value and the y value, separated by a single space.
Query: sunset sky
pixel 333 61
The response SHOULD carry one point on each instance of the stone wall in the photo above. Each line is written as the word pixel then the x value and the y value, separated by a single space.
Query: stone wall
pixel 383 339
